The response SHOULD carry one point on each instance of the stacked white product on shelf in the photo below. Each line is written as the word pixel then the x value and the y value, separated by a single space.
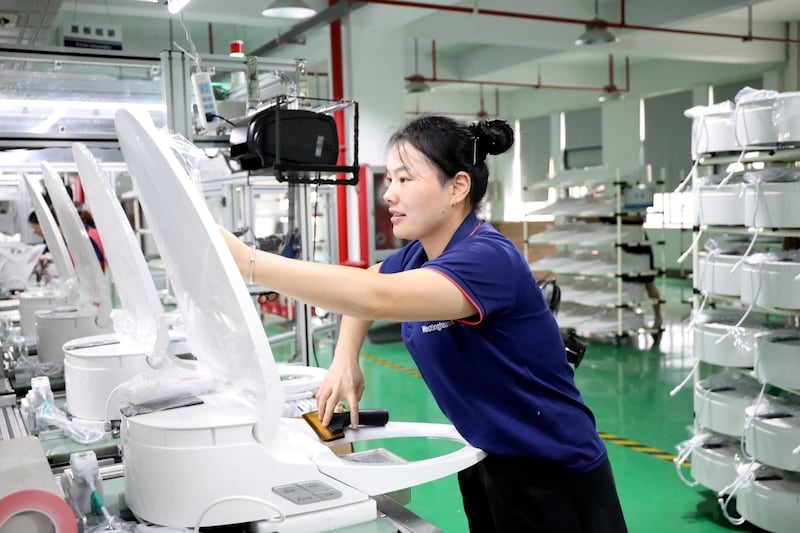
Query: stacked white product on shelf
pixel 713 129
pixel 721 338
pixel 598 175
pixel 231 458
pixel 714 458
pixel 593 206
pixel 762 202
pixel 587 234
pixel 773 433
pixel 599 291
pixel 786 117
pixel 592 262
pixel 778 358
pixel 759 118
pixel 720 401
pixel 772 438
pixel 720 203
pixel 770 280
pixel 90 314
pixel 720 267
pixel 754 125
pixel 766 118
pixel 612 250
pixel 57 292
pixel 769 499
pixel 771 198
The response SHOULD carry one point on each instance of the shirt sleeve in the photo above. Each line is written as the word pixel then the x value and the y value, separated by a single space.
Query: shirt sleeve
pixel 485 272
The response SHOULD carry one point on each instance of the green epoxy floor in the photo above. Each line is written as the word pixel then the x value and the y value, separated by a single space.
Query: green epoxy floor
pixel 628 389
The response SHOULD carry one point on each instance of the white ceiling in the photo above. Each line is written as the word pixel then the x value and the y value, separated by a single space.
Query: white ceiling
pixel 476 46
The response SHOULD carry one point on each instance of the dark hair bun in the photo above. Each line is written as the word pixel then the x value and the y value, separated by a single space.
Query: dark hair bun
pixel 494 136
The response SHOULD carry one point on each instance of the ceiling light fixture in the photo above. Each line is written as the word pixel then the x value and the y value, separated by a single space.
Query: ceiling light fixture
pixel 289 9
pixel 174 6
pixel 611 91
pixel 416 82
pixel 596 32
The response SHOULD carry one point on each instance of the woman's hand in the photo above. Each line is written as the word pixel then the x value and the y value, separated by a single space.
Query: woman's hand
pixel 343 381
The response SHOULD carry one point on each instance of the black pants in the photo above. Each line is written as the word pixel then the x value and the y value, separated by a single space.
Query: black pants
pixel 512 495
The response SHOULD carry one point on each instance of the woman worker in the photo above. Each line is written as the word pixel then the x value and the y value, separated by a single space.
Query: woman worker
pixel 478 328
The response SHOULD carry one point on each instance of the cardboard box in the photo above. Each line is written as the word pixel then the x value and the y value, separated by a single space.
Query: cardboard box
pixel 515 231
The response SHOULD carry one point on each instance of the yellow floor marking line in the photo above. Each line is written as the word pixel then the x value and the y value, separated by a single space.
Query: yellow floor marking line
pixel 633 445
pixel 394 366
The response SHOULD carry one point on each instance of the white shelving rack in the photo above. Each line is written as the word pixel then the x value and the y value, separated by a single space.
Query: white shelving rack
pixel 596 271
pixel 747 351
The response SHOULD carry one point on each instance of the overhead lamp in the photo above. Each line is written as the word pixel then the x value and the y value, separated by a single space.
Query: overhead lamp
pixel 610 93
pixel 289 9
pixel 596 31
pixel 174 6
pixel 416 82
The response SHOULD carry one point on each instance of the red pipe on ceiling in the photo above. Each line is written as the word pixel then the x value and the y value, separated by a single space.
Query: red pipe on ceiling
pixel 583 22
pixel 610 88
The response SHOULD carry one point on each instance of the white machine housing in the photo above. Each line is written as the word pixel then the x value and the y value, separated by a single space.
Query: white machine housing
pixel 232 459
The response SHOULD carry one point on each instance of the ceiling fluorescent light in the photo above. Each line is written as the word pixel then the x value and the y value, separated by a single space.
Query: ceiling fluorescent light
pixel 174 6
pixel 289 9
pixel 596 31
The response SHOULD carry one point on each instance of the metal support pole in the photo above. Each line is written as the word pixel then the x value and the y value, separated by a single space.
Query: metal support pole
pixel 303 327
pixel 177 92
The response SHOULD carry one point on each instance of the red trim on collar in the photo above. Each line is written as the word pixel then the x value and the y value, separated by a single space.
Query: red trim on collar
pixel 478 225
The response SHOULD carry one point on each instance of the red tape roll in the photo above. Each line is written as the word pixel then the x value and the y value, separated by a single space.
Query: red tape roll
pixel 40 501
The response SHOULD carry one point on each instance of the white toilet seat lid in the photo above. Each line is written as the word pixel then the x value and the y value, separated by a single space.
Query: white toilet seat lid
pixel 222 325
pixel 87 267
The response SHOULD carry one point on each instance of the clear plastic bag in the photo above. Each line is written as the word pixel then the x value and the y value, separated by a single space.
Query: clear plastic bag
pixel 51 415
pixel 168 383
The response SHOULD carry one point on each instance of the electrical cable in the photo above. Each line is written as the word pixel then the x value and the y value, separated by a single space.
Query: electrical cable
pixel 213 116
pixel 194 55
pixel 314 215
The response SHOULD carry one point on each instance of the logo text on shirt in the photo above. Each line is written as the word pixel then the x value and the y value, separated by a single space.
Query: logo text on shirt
pixel 439 326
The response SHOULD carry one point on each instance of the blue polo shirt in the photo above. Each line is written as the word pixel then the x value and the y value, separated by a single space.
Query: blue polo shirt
pixel 501 377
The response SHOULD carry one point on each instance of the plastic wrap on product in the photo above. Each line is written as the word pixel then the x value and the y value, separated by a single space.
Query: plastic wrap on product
pixel 713 128
pixel 753 117
pixel 786 116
